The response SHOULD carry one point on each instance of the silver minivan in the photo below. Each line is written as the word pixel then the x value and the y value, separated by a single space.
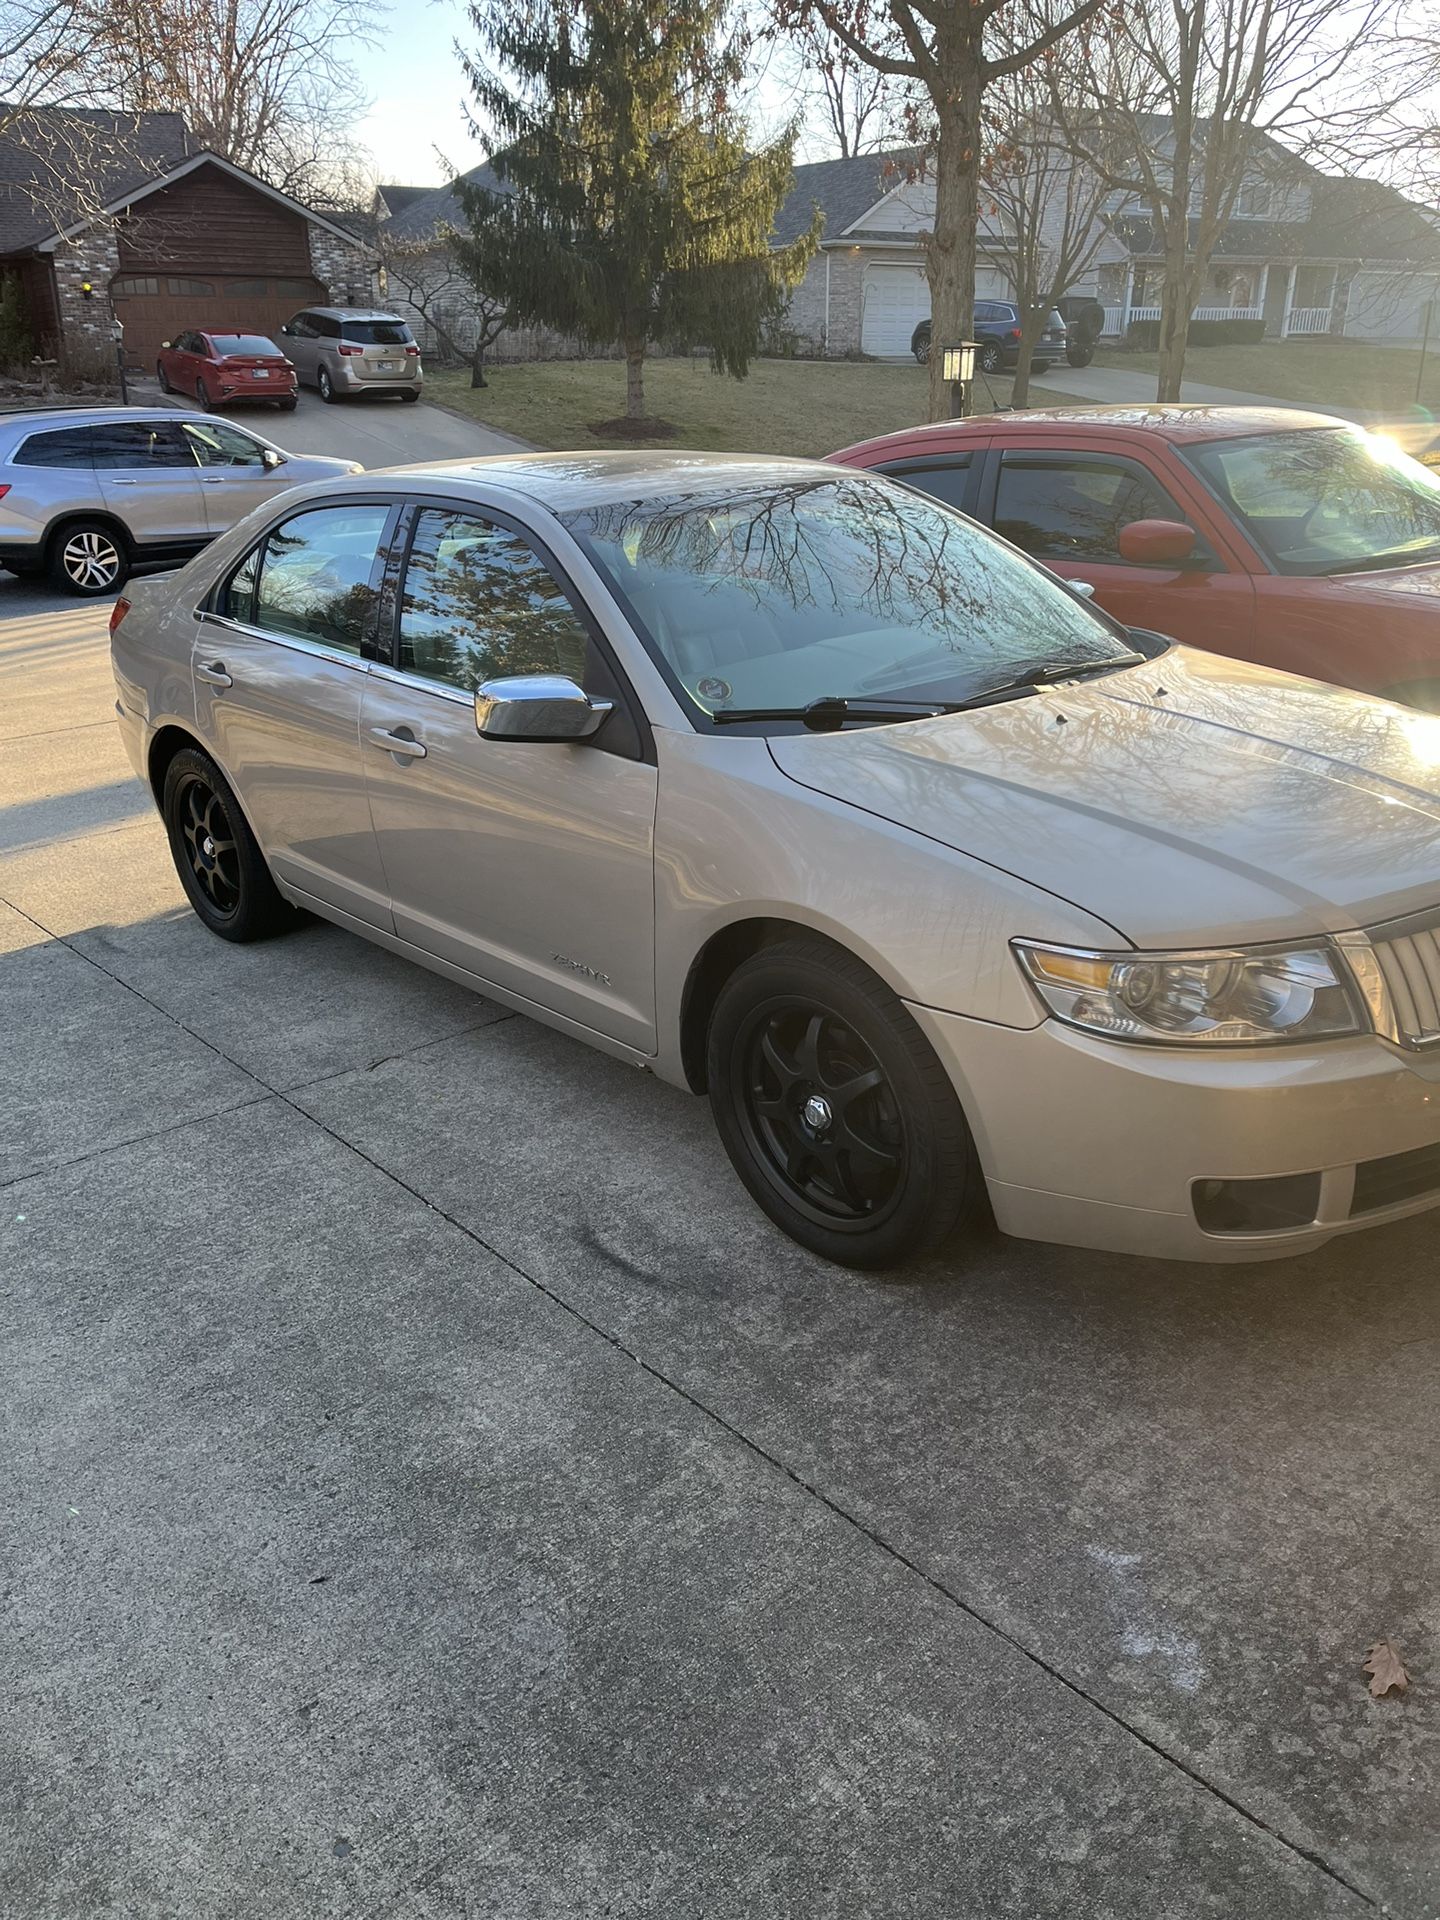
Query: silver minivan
pixel 349 350
pixel 88 493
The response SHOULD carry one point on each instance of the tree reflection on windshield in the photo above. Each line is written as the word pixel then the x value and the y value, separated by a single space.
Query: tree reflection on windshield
pixel 830 586
pixel 1327 500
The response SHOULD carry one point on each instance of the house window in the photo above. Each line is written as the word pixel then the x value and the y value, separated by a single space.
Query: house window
pixel 1255 200
pixel 247 289
pixel 293 289
pixel 190 289
pixel 135 283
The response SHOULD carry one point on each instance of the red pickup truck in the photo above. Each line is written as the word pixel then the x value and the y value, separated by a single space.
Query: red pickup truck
pixel 1290 538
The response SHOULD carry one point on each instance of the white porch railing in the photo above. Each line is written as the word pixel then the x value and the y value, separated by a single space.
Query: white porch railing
pixel 1115 316
pixel 1308 320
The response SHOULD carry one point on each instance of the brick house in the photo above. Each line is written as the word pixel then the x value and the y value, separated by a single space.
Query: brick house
pixel 162 234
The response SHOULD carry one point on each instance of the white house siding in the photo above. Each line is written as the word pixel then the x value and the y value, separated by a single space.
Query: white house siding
pixel 1389 307
pixel 877 296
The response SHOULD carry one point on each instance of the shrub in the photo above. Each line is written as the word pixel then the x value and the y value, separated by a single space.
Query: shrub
pixel 1203 333
pixel 16 347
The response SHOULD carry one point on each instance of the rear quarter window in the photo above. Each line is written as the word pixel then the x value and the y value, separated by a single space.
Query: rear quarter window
pixel 71 447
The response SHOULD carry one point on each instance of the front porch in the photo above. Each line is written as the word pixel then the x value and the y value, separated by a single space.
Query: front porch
pixel 1292 299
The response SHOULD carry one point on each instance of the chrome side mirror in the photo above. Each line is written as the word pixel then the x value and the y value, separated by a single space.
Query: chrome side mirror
pixel 271 457
pixel 1085 588
pixel 536 706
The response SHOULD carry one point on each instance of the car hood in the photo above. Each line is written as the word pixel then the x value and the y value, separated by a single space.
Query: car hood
pixel 1193 801
pixel 304 467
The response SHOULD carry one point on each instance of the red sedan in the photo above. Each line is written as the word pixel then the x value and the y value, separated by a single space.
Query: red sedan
pixel 222 367
pixel 1285 537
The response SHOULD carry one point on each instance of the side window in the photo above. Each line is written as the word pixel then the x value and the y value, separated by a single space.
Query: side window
pixel 123 444
pixel 1063 507
pixel 327 326
pixel 317 576
pixel 301 327
pixel 948 484
pixel 478 603
pixel 239 599
pixel 72 448
pixel 217 444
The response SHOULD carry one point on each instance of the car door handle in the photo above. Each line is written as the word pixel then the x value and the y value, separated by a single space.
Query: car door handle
pixel 398 743
pixel 216 482
pixel 214 675
pixel 117 482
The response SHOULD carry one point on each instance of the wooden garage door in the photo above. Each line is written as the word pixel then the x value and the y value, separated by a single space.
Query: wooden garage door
pixel 155 307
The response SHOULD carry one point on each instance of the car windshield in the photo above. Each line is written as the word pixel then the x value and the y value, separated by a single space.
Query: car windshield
pixel 1327 500
pixel 845 588
pixel 247 343
pixel 378 333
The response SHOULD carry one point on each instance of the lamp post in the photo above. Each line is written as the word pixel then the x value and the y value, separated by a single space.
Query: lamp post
pixel 958 371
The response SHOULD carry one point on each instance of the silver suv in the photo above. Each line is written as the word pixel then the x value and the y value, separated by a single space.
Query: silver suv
pixel 348 350
pixel 88 493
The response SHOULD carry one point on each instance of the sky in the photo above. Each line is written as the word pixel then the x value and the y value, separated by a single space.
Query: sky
pixel 414 81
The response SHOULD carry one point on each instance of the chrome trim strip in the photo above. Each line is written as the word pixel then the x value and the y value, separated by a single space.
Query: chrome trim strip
pixel 415 683
pixel 293 641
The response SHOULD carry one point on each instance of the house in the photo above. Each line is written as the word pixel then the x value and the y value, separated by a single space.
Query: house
pixel 866 291
pixel 1305 252
pixel 110 218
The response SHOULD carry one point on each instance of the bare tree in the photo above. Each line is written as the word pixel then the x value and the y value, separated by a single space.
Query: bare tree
pixel 264 83
pixel 946 51
pixel 1177 105
pixel 1049 203
pixel 436 276
pixel 845 107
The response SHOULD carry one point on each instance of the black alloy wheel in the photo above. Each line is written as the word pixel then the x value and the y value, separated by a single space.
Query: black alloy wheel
pixel 216 856
pixel 834 1109
pixel 820 1114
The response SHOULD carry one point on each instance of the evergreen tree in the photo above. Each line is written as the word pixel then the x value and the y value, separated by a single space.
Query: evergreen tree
pixel 632 209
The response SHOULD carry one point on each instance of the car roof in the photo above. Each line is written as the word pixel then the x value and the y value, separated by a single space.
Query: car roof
pixel 28 417
pixel 353 313
pixel 565 482
pixel 1178 422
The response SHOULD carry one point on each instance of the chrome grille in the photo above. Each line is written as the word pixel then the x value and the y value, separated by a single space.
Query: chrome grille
pixel 1408 954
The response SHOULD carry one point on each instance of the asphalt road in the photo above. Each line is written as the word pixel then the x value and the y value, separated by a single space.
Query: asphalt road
pixel 431 1489
pixel 378 430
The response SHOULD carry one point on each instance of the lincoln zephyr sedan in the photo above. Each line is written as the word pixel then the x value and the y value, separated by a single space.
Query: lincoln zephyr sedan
pixel 793 786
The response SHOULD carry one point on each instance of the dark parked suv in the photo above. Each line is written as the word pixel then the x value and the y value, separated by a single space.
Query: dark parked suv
pixel 997 330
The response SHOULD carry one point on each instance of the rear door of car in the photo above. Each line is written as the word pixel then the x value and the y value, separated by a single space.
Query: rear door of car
pixel 1063 499
pixel 529 864
pixel 297 337
pixel 150 480
pixel 951 478
pixel 280 659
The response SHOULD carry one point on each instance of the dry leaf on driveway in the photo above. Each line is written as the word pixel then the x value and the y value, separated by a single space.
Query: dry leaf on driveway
pixel 1384 1666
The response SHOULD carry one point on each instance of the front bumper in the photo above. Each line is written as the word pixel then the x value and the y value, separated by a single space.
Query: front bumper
pixel 1097 1144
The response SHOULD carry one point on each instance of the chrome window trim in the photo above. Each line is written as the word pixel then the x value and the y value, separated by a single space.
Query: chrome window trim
pixel 294 641
pixel 417 683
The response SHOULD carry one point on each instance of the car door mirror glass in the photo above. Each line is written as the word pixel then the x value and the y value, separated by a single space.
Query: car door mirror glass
pixel 1157 543
pixel 537 707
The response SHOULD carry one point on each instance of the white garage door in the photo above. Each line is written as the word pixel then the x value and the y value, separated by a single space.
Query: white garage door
pixel 897 299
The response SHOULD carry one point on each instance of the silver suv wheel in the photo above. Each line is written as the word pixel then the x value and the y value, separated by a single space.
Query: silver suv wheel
pixel 88 559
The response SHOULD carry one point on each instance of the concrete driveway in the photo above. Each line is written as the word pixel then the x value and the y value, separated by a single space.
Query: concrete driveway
pixel 432 1489
pixel 378 431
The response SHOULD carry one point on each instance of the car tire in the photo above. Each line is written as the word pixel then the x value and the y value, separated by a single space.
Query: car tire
pixel 991 357
pixel 326 386
pixel 869 1175
pixel 1079 356
pixel 410 396
pixel 163 378
pixel 202 394
pixel 289 406
pixel 88 558
pixel 216 855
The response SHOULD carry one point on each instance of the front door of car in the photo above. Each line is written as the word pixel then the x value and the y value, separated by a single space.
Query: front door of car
pixel 280 663
pixel 233 475
pixel 150 481
pixel 529 864
pixel 1065 506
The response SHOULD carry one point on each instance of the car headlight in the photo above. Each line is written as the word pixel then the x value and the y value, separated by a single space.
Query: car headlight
pixel 1226 998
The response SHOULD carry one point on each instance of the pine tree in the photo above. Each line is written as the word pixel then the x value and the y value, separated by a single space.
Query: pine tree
pixel 632 209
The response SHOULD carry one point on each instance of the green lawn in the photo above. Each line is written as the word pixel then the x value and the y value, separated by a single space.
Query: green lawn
pixel 1325 373
pixel 801 407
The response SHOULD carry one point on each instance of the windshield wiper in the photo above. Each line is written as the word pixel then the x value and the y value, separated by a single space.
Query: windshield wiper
pixel 1043 675
pixel 832 710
